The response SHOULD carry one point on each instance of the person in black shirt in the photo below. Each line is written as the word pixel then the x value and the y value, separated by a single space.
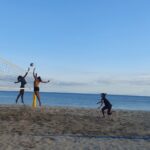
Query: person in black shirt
pixel 106 103
pixel 22 80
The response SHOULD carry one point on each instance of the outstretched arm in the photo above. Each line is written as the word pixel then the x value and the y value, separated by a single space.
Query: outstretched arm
pixel 26 73
pixel 34 74
pixel 101 101
pixel 17 82
pixel 45 81
pixel 98 102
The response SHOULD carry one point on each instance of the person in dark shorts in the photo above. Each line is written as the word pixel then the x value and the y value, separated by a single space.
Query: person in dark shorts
pixel 23 82
pixel 107 105
pixel 37 80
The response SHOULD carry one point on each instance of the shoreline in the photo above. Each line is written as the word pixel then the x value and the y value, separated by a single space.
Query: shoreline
pixel 68 107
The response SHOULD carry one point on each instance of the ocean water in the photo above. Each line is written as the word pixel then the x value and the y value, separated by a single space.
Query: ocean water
pixel 79 100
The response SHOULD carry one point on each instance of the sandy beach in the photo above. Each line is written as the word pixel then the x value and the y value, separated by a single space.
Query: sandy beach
pixel 57 128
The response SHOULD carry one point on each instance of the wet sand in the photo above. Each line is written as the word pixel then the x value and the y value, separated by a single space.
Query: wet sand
pixel 57 128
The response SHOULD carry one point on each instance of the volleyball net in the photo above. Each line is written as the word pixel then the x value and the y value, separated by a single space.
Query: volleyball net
pixel 9 73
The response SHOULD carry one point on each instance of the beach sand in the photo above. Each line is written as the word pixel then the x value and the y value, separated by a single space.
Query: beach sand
pixel 57 128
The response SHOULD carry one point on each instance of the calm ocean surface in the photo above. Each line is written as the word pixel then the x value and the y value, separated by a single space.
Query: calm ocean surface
pixel 80 100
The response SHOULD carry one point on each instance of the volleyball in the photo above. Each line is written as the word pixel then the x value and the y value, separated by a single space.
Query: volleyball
pixel 31 64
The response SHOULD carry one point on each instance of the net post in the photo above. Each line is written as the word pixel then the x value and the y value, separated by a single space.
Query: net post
pixel 34 101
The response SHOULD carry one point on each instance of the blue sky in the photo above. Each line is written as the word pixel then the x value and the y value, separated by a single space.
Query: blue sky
pixel 82 45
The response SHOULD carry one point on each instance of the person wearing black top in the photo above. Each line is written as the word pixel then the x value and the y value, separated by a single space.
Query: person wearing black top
pixel 23 82
pixel 107 105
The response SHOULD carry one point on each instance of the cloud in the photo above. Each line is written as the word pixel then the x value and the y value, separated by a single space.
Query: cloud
pixel 69 83
pixel 137 80
pixel 122 84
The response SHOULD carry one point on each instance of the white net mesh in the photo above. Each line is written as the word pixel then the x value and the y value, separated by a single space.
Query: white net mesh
pixel 9 73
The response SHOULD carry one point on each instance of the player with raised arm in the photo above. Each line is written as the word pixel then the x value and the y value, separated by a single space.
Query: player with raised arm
pixel 37 81
pixel 21 79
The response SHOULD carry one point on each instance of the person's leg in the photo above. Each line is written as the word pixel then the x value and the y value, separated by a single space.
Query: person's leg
pixel 22 95
pixel 109 110
pixel 103 111
pixel 18 97
pixel 38 97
